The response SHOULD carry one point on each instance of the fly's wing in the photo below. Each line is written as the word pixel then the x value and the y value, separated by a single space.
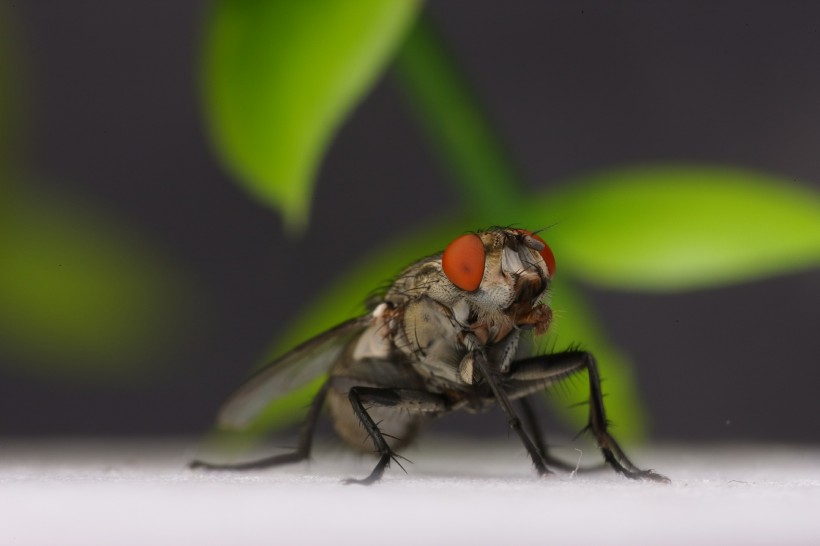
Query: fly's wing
pixel 288 372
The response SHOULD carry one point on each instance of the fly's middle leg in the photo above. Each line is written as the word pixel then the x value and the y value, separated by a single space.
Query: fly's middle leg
pixel 364 398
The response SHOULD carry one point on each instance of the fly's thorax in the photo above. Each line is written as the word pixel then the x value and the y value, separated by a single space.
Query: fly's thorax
pixel 429 334
pixel 375 341
pixel 424 278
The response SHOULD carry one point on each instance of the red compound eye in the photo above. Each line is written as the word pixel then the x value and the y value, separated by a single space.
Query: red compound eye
pixel 546 252
pixel 463 262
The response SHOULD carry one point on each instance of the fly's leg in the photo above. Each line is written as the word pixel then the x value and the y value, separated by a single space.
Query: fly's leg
pixel 530 421
pixel 399 399
pixel 550 368
pixel 301 453
pixel 535 453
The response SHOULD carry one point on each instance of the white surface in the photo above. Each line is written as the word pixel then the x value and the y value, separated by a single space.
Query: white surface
pixel 469 492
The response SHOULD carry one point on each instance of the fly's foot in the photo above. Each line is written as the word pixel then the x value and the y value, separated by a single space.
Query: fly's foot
pixel 544 472
pixel 655 477
pixel 370 480
pixel 376 475
pixel 649 475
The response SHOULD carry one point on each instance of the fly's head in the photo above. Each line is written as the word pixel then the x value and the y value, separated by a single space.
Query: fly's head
pixel 502 276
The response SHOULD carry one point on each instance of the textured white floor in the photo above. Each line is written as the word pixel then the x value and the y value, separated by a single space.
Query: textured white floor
pixel 115 493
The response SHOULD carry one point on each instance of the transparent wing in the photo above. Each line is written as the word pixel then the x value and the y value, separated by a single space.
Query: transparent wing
pixel 288 372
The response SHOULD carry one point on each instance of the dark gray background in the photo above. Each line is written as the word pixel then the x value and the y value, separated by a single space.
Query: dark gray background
pixel 112 95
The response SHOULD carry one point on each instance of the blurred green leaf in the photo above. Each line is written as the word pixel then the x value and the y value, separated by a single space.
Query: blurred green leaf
pixel 279 79
pixel 80 295
pixel 678 227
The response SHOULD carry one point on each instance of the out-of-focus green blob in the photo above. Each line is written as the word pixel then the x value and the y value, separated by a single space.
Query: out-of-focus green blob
pixel 279 78
pixel 80 296
pixel 678 227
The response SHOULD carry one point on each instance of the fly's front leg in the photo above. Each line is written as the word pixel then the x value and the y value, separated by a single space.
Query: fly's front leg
pixel 301 453
pixel 398 399
pixel 547 369
pixel 531 422
pixel 535 453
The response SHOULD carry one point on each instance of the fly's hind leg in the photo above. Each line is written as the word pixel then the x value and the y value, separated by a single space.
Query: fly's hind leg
pixel 547 369
pixel 303 447
pixel 399 399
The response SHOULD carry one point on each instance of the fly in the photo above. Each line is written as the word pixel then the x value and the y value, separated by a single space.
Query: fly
pixel 443 337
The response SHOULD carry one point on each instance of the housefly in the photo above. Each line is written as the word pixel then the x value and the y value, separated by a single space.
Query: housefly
pixel 443 337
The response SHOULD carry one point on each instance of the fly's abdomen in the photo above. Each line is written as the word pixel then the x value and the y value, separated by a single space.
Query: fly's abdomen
pixel 398 426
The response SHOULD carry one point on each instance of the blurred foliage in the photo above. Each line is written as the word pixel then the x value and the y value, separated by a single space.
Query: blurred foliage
pixel 681 227
pixel 279 78
pixel 646 228
pixel 82 296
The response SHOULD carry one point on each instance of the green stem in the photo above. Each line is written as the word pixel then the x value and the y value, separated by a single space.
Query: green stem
pixel 456 124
